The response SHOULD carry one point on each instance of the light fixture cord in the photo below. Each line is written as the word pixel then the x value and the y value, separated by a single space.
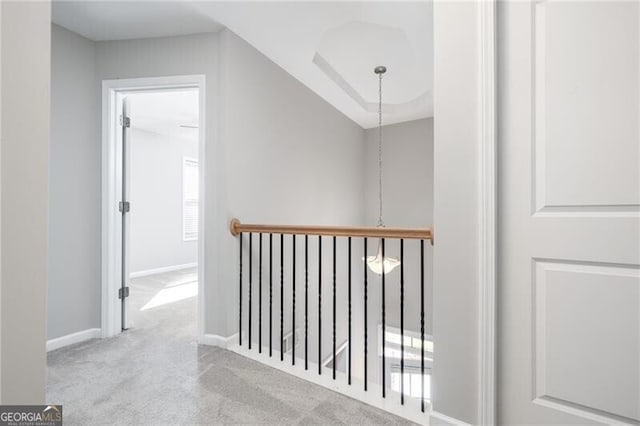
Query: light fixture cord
pixel 380 222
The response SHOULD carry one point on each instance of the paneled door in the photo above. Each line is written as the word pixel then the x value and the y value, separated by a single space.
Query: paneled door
pixel 569 212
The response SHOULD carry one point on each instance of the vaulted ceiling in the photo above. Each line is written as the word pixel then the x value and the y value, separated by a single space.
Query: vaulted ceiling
pixel 331 47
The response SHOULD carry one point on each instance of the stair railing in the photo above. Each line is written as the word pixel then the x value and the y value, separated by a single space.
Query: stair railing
pixel 239 229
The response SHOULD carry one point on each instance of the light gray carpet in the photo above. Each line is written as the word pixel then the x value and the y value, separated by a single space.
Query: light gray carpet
pixel 155 373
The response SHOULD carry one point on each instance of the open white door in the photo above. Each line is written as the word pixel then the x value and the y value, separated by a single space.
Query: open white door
pixel 569 212
pixel 124 207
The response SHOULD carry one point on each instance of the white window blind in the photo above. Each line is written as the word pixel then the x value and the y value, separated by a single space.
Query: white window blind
pixel 190 202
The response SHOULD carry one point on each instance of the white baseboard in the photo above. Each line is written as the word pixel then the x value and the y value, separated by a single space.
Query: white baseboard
pixel 439 419
pixel 70 339
pixel 218 341
pixel 410 411
pixel 154 271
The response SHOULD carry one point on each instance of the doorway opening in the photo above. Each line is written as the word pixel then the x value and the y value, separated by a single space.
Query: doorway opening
pixel 162 181
pixel 153 193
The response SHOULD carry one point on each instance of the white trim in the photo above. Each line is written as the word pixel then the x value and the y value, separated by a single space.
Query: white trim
pixel 110 259
pixel 147 272
pixel 73 338
pixel 218 341
pixel 110 215
pixel 437 419
pixel 339 349
pixel 488 211
pixel 410 410
pixel 584 412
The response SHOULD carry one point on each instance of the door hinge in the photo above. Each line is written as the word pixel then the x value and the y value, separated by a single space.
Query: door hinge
pixel 124 207
pixel 123 291
pixel 125 121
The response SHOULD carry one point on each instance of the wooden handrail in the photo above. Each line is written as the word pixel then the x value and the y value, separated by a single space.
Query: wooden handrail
pixel 236 227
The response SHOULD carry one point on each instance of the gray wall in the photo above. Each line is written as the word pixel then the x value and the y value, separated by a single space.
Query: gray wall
pixel 299 160
pixel 75 253
pixel 73 291
pixel 277 153
pixel 407 151
pixel 408 202
pixel 456 377
pixel 165 56
pixel 302 162
pixel 289 157
pixel 156 199
pixel 407 173
pixel 25 48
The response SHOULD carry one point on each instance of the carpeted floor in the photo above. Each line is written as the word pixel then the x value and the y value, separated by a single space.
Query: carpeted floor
pixel 155 373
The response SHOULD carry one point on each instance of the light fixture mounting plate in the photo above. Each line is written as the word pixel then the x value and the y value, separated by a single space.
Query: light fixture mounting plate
pixel 380 69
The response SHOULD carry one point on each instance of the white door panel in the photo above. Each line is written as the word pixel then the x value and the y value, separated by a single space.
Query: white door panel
pixel 586 105
pixel 569 212
pixel 577 340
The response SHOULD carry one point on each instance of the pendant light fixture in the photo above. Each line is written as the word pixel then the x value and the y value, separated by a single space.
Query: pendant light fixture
pixel 380 264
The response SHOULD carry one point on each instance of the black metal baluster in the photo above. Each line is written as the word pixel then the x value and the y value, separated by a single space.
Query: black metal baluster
pixel 240 306
pixel 250 277
pixel 319 304
pixel 334 308
pixel 402 322
pixel 270 295
pixel 293 298
pixel 306 302
pixel 260 294
pixel 349 313
pixel 365 314
pixel 422 321
pixel 384 358
pixel 281 297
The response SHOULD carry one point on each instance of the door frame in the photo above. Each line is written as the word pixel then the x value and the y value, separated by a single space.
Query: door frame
pixel 488 188
pixel 479 88
pixel 111 250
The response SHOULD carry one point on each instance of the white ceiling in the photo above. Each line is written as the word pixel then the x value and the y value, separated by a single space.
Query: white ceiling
pixel 122 20
pixel 352 38
pixel 331 47
pixel 172 113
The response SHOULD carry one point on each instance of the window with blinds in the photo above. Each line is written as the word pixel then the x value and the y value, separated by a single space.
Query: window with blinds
pixel 190 195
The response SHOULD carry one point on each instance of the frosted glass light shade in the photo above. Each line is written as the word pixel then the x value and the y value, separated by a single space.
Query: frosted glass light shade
pixel 376 262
